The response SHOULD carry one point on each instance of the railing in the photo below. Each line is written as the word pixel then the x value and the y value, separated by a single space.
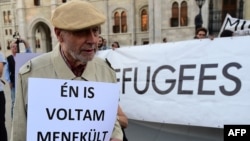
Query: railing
pixel 216 19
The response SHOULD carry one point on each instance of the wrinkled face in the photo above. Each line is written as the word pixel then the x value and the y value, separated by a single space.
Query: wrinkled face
pixel 78 46
pixel 201 35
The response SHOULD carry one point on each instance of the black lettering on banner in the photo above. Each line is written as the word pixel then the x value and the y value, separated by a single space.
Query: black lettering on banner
pixel 125 79
pixel 182 77
pixel 150 79
pixel 237 132
pixel 171 81
pixel 204 77
pixel 231 77
pixel 146 84
pixel 117 71
pixel 236 23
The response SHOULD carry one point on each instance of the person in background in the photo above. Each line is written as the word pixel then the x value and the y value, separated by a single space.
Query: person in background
pixel 201 33
pixel 135 43
pixel 115 45
pixel 123 120
pixel 164 40
pixel 100 43
pixel 226 33
pixel 104 45
pixel 10 67
pixel 76 26
pixel 3 131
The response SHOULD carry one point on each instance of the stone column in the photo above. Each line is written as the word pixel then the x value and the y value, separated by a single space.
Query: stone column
pixel 53 36
pixel 157 21
pixel 151 13
pixel 20 18
pixel 246 10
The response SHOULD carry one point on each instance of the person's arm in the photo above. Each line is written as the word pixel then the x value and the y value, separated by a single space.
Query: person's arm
pixel 6 72
pixel 1 68
pixel 2 62
pixel 122 118
pixel 26 44
pixel 1 71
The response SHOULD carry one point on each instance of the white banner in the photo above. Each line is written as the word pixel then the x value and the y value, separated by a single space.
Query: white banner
pixel 239 27
pixel 196 82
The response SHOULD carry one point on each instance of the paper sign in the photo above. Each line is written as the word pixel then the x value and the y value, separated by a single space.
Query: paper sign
pixel 60 110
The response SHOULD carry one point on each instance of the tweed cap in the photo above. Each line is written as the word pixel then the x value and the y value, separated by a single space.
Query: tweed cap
pixel 76 15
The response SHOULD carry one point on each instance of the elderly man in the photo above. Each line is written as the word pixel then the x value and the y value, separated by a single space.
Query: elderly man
pixel 76 28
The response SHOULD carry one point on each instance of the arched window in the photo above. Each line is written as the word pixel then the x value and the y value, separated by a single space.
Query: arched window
pixel 116 27
pixel 144 20
pixel 179 15
pixel 10 31
pixel 124 22
pixel 5 17
pixel 6 32
pixel 8 44
pixel 175 15
pixel 38 43
pixel 120 22
pixel 9 17
pixel 184 17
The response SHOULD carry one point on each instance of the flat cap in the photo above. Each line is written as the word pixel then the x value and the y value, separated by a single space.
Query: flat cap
pixel 76 15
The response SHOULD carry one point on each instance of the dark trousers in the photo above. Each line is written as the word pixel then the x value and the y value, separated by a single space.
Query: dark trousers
pixel 3 132
pixel 124 135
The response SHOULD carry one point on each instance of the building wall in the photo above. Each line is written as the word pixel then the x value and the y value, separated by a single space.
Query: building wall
pixel 6 6
pixel 28 17
pixel 247 9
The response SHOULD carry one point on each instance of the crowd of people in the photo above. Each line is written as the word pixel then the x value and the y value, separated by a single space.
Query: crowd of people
pixel 102 44
pixel 7 66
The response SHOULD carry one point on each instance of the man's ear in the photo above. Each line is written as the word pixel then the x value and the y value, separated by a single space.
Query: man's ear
pixel 58 33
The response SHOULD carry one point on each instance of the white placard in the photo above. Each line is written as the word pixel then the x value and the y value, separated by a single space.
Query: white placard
pixel 71 110
pixel 239 27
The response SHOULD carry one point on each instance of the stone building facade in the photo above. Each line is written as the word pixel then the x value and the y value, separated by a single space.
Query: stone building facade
pixel 130 22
